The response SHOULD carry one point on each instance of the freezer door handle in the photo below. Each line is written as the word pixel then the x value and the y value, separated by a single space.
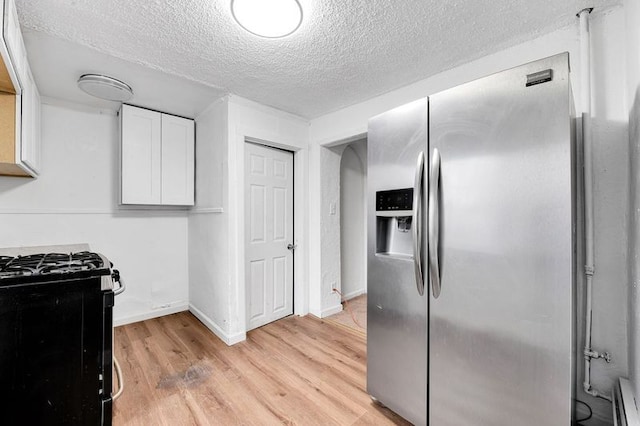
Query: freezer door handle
pixel 417 223
pixel 434 223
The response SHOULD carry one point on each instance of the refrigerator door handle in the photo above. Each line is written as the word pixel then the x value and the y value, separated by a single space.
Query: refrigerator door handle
pixel 417 223
pixel 434 223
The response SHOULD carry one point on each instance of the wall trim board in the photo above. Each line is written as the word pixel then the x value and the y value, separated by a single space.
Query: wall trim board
pixel 331 311
pixel 181 307
pixel 112 212
pixel 353 136
pixel 207 210
pixel 229 339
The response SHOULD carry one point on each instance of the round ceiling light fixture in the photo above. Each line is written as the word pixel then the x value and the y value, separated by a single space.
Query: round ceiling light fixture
pixel 268 18
pixel 104 87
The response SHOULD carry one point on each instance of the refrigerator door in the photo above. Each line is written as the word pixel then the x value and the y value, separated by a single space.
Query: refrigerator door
pixel 397 312
pixel 501 329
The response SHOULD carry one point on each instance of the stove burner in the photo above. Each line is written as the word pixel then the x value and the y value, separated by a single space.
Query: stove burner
pixel 49 263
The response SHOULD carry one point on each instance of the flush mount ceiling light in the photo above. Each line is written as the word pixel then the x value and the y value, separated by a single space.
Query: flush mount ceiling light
pixel 104 87
pixel 268 18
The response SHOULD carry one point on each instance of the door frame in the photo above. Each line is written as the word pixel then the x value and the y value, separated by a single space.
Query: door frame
pixel 237 295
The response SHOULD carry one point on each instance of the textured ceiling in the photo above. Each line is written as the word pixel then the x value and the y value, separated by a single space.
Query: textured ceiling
pixel 57 64
pixel 346 51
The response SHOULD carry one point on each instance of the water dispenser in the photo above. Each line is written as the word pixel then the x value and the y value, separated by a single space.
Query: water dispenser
pixel 393 223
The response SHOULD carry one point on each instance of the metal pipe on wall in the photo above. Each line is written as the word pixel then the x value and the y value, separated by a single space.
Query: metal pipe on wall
pixel 589 268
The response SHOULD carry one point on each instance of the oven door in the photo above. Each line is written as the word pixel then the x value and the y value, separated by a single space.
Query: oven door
pixel 107 358
pixel 51 357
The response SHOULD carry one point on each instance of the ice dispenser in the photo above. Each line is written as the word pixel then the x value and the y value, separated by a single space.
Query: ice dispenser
pixel 393 227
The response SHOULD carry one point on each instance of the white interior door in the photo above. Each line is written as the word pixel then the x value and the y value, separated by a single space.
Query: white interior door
pixel 268 232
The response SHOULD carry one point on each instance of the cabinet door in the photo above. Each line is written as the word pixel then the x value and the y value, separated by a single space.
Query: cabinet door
pixel 13 37
pixel 36 124
pixel 177 160
pixel 140 155
pixel 30 144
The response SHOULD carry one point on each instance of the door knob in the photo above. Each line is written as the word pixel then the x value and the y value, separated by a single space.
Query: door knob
pixel 291 247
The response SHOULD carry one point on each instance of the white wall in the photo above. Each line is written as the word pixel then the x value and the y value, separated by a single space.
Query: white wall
pixel 632 13
pixel 216 225
pixel 611 203
pixel 208 223
pixel 353 184
pixel 75 201
pixel 251 121
pixel 611 169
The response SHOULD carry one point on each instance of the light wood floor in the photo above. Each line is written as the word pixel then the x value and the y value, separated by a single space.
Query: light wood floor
pixel 300 371
pixel 353 314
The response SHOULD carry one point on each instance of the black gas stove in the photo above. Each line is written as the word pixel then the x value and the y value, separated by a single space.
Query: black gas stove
pixel 56 338
pixel 51 266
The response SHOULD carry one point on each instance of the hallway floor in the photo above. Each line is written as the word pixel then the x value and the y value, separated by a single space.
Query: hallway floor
pixel 353 315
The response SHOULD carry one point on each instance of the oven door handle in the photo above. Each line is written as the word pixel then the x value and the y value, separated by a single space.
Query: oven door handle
pixel 117 279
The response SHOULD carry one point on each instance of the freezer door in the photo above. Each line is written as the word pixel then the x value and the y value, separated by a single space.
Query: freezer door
pixel 501 330
pixel 396 312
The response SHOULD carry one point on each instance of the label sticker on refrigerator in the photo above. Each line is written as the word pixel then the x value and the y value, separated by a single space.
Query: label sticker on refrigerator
pixel 539 77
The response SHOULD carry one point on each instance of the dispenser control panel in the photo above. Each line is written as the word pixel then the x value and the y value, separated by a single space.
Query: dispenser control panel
pixel 395 199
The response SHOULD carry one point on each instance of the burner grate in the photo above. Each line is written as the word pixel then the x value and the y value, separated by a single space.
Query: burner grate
pixel 49 264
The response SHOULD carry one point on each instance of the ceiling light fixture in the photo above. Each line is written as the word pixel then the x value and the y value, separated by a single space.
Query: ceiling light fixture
pixel 268 18
pixel 104 87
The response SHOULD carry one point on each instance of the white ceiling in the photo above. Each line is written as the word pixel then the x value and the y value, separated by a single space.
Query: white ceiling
pixel 57 64
pixel 344 52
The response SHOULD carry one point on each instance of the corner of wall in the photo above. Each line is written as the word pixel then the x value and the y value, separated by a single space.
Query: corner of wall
pixel 632 15
pixel 208 233
pixel 228 338
pixel 331 310
pixel 223 100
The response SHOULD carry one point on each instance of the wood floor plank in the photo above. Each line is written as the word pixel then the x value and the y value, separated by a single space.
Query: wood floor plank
pixel 296 371
pixel 319 383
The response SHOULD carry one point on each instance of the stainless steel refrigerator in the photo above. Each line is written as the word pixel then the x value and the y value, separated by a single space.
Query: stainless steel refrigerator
pixel 396 300
pixel 495 249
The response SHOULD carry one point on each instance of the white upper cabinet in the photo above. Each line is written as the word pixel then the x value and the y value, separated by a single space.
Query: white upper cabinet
pixel 157 158
pixel 19 102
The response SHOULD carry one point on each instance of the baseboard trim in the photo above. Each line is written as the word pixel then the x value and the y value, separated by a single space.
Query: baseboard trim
pixel 624 404
pixel 151 314
pixel 229 339
pixel 200 210
pixel 331 311
pixel 353 294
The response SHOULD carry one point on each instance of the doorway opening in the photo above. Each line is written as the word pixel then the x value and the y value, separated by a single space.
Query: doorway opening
pixel 353 240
